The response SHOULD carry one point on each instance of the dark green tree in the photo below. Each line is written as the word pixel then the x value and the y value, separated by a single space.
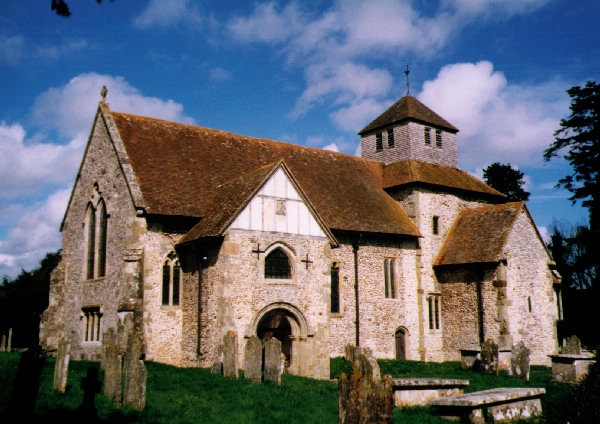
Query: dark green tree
pixel 578 138
pixel 23 299
pixel 62 8
pixel 507 180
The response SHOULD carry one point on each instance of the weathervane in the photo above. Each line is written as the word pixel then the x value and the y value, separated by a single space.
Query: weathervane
pixel 103 93
pixel 407 80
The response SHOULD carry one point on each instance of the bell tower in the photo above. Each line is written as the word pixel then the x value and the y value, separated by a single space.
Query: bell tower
pixel 410 130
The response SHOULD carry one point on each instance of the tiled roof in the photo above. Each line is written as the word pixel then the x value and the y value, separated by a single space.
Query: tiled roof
pixel 408 108
pixel 413 172
pixel 478 235
pixel 179 168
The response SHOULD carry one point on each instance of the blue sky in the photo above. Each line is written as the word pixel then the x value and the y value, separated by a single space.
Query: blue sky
pixel 310 72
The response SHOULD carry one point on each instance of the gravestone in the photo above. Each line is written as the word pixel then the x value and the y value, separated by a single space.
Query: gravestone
pixel 572 346
pixel 216 367
pixel 253 359
pixel 9 342
pixel 519 361
pixel 273 360
pixel 90 385
pixel 362 359
pixel 489 358
pixel 362 398
pixel 27 384
pixel 230 355
pixel 112 367
pixel 61 367
pixel 134 390
pixel 3 345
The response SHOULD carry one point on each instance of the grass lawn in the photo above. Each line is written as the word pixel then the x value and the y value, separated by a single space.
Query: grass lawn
pixel 194 395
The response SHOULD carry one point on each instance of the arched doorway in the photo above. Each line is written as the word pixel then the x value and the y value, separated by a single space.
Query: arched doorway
pixel 276 324
pixel 400 338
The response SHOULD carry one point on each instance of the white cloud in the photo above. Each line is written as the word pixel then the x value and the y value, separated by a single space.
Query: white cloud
pixel 70 109
pixel 27 168
pixel 354 31
pixel 545 234
pixel 499 122
pixel 347 82
pixel 332 146
pixel 12 49
pixel 267 24
pixel 161 13
pixel 33 166
pixel 219 74
pixel 35 234
pixel 359 113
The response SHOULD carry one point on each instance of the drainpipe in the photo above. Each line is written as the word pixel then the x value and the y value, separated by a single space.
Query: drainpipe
pixel 356 308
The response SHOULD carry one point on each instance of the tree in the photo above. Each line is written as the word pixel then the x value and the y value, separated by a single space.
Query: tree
pixel 506 180
pixel 62 8
pixel 579 135
pixel 23 299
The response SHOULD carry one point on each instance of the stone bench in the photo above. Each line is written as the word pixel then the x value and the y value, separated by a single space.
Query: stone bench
pixel 419 391
pixel 499 405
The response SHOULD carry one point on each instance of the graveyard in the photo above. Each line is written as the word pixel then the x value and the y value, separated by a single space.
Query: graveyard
pixel 183 395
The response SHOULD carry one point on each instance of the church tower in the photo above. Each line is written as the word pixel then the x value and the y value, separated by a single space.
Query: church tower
pixel 410 130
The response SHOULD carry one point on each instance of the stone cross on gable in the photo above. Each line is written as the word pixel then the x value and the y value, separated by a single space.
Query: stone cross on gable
pixel 103 93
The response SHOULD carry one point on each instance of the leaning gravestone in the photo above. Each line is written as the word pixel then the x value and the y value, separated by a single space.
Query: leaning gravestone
pixel 519 361
pixel 363 398
pixel 3 345
pixel 61 367
pixel 9 342
pixel 134 391
pixel 572 346
pixel 489 358
pixel 273 360
pixel 230 355
pixel 253 359
pixel 112 367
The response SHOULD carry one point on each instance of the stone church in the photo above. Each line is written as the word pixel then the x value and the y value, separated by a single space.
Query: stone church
pixel 189 232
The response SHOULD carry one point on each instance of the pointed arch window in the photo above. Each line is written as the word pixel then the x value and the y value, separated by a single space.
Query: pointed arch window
pixel 277 265
pixel 96 228
pixel 171 281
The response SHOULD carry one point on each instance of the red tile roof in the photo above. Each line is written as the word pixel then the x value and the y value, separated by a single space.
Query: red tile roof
pixel 179 167
pixel 413 172
pixel 478 235
pixel 408 108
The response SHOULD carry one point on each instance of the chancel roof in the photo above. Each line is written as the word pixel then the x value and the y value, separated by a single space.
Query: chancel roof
pixel 416 172
pixel 478 235
pixel 408 108
pixel 181 168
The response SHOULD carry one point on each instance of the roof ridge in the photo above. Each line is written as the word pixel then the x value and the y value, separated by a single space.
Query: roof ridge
pixel 247 137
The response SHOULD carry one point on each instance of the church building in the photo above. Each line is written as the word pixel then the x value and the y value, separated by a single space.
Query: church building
pixel 190 232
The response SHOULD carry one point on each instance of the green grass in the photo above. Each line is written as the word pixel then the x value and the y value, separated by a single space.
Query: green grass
pixel 194 395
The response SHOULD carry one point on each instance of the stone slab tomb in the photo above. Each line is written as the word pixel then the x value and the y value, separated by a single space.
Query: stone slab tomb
pixel 519 361
pixel 61 367
pixel 253 359
pixel 230 355
pixel 420 391
pixel 500 405
pixel 571 368
pixel 273 365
